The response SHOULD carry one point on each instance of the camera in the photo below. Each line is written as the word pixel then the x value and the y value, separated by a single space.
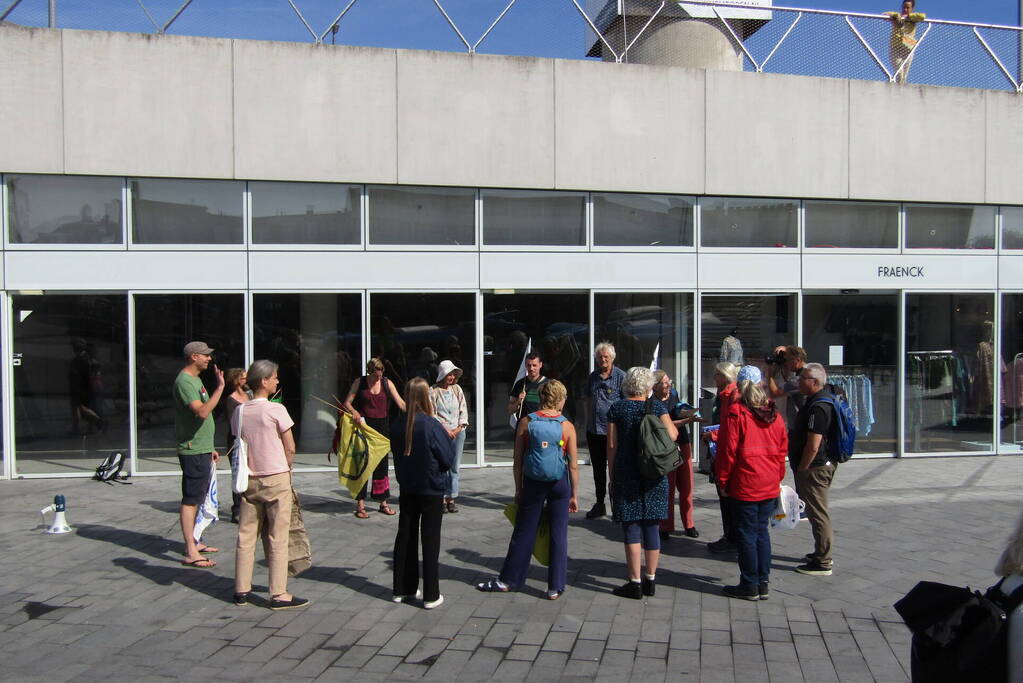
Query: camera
pixel 778 358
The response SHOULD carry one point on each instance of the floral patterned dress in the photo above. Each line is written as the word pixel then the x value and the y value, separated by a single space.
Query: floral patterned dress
pixel 634 498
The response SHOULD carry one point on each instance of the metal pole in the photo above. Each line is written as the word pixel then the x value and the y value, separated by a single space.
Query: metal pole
pixel 52 23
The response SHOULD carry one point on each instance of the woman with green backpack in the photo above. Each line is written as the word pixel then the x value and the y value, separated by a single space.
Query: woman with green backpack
pixel 546 473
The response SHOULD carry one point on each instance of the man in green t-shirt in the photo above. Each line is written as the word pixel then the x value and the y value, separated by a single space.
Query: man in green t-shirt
pixel 193 431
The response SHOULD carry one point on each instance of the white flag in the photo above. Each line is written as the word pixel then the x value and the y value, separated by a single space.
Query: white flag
pixel 513 419
pixel 653 361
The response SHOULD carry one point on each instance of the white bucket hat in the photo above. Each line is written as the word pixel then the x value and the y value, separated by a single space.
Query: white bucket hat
pixel 445 368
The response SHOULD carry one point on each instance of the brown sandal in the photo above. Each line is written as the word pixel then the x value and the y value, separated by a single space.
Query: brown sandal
pixel 386 509
pixel 362 514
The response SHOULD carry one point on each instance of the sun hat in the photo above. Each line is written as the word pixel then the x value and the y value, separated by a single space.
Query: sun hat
pixel 445 368
pixel 751 373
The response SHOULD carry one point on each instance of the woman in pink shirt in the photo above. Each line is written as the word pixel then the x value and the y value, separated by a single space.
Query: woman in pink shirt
pixel 266 429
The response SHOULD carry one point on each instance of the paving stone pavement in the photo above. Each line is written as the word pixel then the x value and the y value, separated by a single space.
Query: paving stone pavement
pixel 111 602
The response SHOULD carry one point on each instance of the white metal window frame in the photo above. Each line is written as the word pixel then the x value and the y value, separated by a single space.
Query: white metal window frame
pixel 958 251
pixel 424 246
pixel 129 224
pixel 10 245
pixel 545 248
pixel 252 245
pixel 904 398
pixel 899 227
pixel 640 249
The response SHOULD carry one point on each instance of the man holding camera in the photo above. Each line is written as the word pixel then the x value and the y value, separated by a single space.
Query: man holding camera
pixel 783 371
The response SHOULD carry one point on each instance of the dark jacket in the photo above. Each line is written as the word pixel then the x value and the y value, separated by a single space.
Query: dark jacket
pixel 424 471
pixel 753 464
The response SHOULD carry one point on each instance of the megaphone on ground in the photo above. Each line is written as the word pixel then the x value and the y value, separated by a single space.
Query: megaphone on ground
pixel 59 508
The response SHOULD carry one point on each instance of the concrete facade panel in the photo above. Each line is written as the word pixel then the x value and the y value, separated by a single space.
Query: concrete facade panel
pixel 749 271
pixel 120 270
pixel 140 104
pixel 585 271
pixel 475 120
pixel 31 100
pixel 629 128
pixel 363 269
pixel 303 112
pixel 903 271
pixel 916 143
pixel 1004 148
pixel 774 135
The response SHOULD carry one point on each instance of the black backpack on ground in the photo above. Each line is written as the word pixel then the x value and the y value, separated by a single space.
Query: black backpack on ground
pixel 109 470
pixel 958 634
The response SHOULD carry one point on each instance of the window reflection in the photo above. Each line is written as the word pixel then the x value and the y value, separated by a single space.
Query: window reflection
pixel 1011 367
pixel 164 323
pixel 748 222
pixel 642 220
pixel 860 333
pixel 950 367
pixel 316 339
pixel 534 217
pixel 70 381
pixel 931 226
pixel 173 211
pixel 305 213
pixel 852 225
pixel 422 215
pixel 1012 227
pixel 54 209
pixel 413 333
pixel 554 324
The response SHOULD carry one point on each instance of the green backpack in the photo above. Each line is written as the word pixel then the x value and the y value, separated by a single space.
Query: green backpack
pixel 656 453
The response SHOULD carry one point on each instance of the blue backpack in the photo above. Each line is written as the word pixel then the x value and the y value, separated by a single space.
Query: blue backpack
pixel 842 436
pixel 545 455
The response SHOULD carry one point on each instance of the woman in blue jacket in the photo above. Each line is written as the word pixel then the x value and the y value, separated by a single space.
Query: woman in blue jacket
pixel 423 454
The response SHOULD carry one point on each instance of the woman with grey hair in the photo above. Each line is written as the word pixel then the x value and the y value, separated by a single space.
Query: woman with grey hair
pixel 637 503
pixel 265 427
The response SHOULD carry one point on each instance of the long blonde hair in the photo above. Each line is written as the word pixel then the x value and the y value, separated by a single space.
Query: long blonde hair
pixel 417 400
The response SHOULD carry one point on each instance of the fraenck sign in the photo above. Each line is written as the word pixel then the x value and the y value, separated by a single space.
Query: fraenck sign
pixel 900 271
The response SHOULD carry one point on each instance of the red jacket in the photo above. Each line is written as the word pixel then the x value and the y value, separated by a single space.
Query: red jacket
pixel 753 463
pixel 727 396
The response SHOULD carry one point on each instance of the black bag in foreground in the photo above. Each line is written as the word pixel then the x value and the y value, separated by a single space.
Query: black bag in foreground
pixel 109 470
pixel 958 634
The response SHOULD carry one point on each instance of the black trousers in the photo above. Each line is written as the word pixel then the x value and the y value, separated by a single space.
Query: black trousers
pixel 418 513
pixel 728 520
pixel 598 461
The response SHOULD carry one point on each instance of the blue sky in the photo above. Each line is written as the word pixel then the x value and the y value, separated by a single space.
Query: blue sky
pixel 553 28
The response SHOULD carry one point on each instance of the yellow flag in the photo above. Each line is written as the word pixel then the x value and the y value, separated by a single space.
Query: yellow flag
pixel 359 450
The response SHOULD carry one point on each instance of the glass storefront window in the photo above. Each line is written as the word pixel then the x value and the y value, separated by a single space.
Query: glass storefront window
pixel 316 340
pixel 59 209
pixel 851 225
pixel 422 215
pixel 950 369
pixel 744 328
pixel 413 333
pixel 1012 227
pixel 70 381
pixel 534 217
pixel 855 337
pixel 937 226
pixel 164 323
pixel 1011 367
pixel 640 324
pixel 305 213
pixel 642 220
pixel 555 325
pixel 748 222
pixel 175 211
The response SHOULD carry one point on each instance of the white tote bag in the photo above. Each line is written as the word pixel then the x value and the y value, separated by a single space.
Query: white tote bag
pixel 240 461
pixel 790 507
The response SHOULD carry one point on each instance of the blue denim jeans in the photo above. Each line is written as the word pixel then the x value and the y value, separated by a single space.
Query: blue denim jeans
pixel 459 444
pixel 753 536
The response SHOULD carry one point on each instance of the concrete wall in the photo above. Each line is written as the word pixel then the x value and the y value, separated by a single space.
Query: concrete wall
pixel 127 104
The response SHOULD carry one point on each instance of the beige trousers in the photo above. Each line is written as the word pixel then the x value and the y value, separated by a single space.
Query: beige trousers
pixel 270 498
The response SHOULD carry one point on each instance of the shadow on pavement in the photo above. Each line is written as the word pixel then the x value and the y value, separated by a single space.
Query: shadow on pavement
pixel 155 546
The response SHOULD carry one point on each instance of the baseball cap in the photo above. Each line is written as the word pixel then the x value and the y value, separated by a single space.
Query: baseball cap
pixel 197 347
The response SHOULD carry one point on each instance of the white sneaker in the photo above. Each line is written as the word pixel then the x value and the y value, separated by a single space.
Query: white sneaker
pixel 434 603
pixel 403 598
